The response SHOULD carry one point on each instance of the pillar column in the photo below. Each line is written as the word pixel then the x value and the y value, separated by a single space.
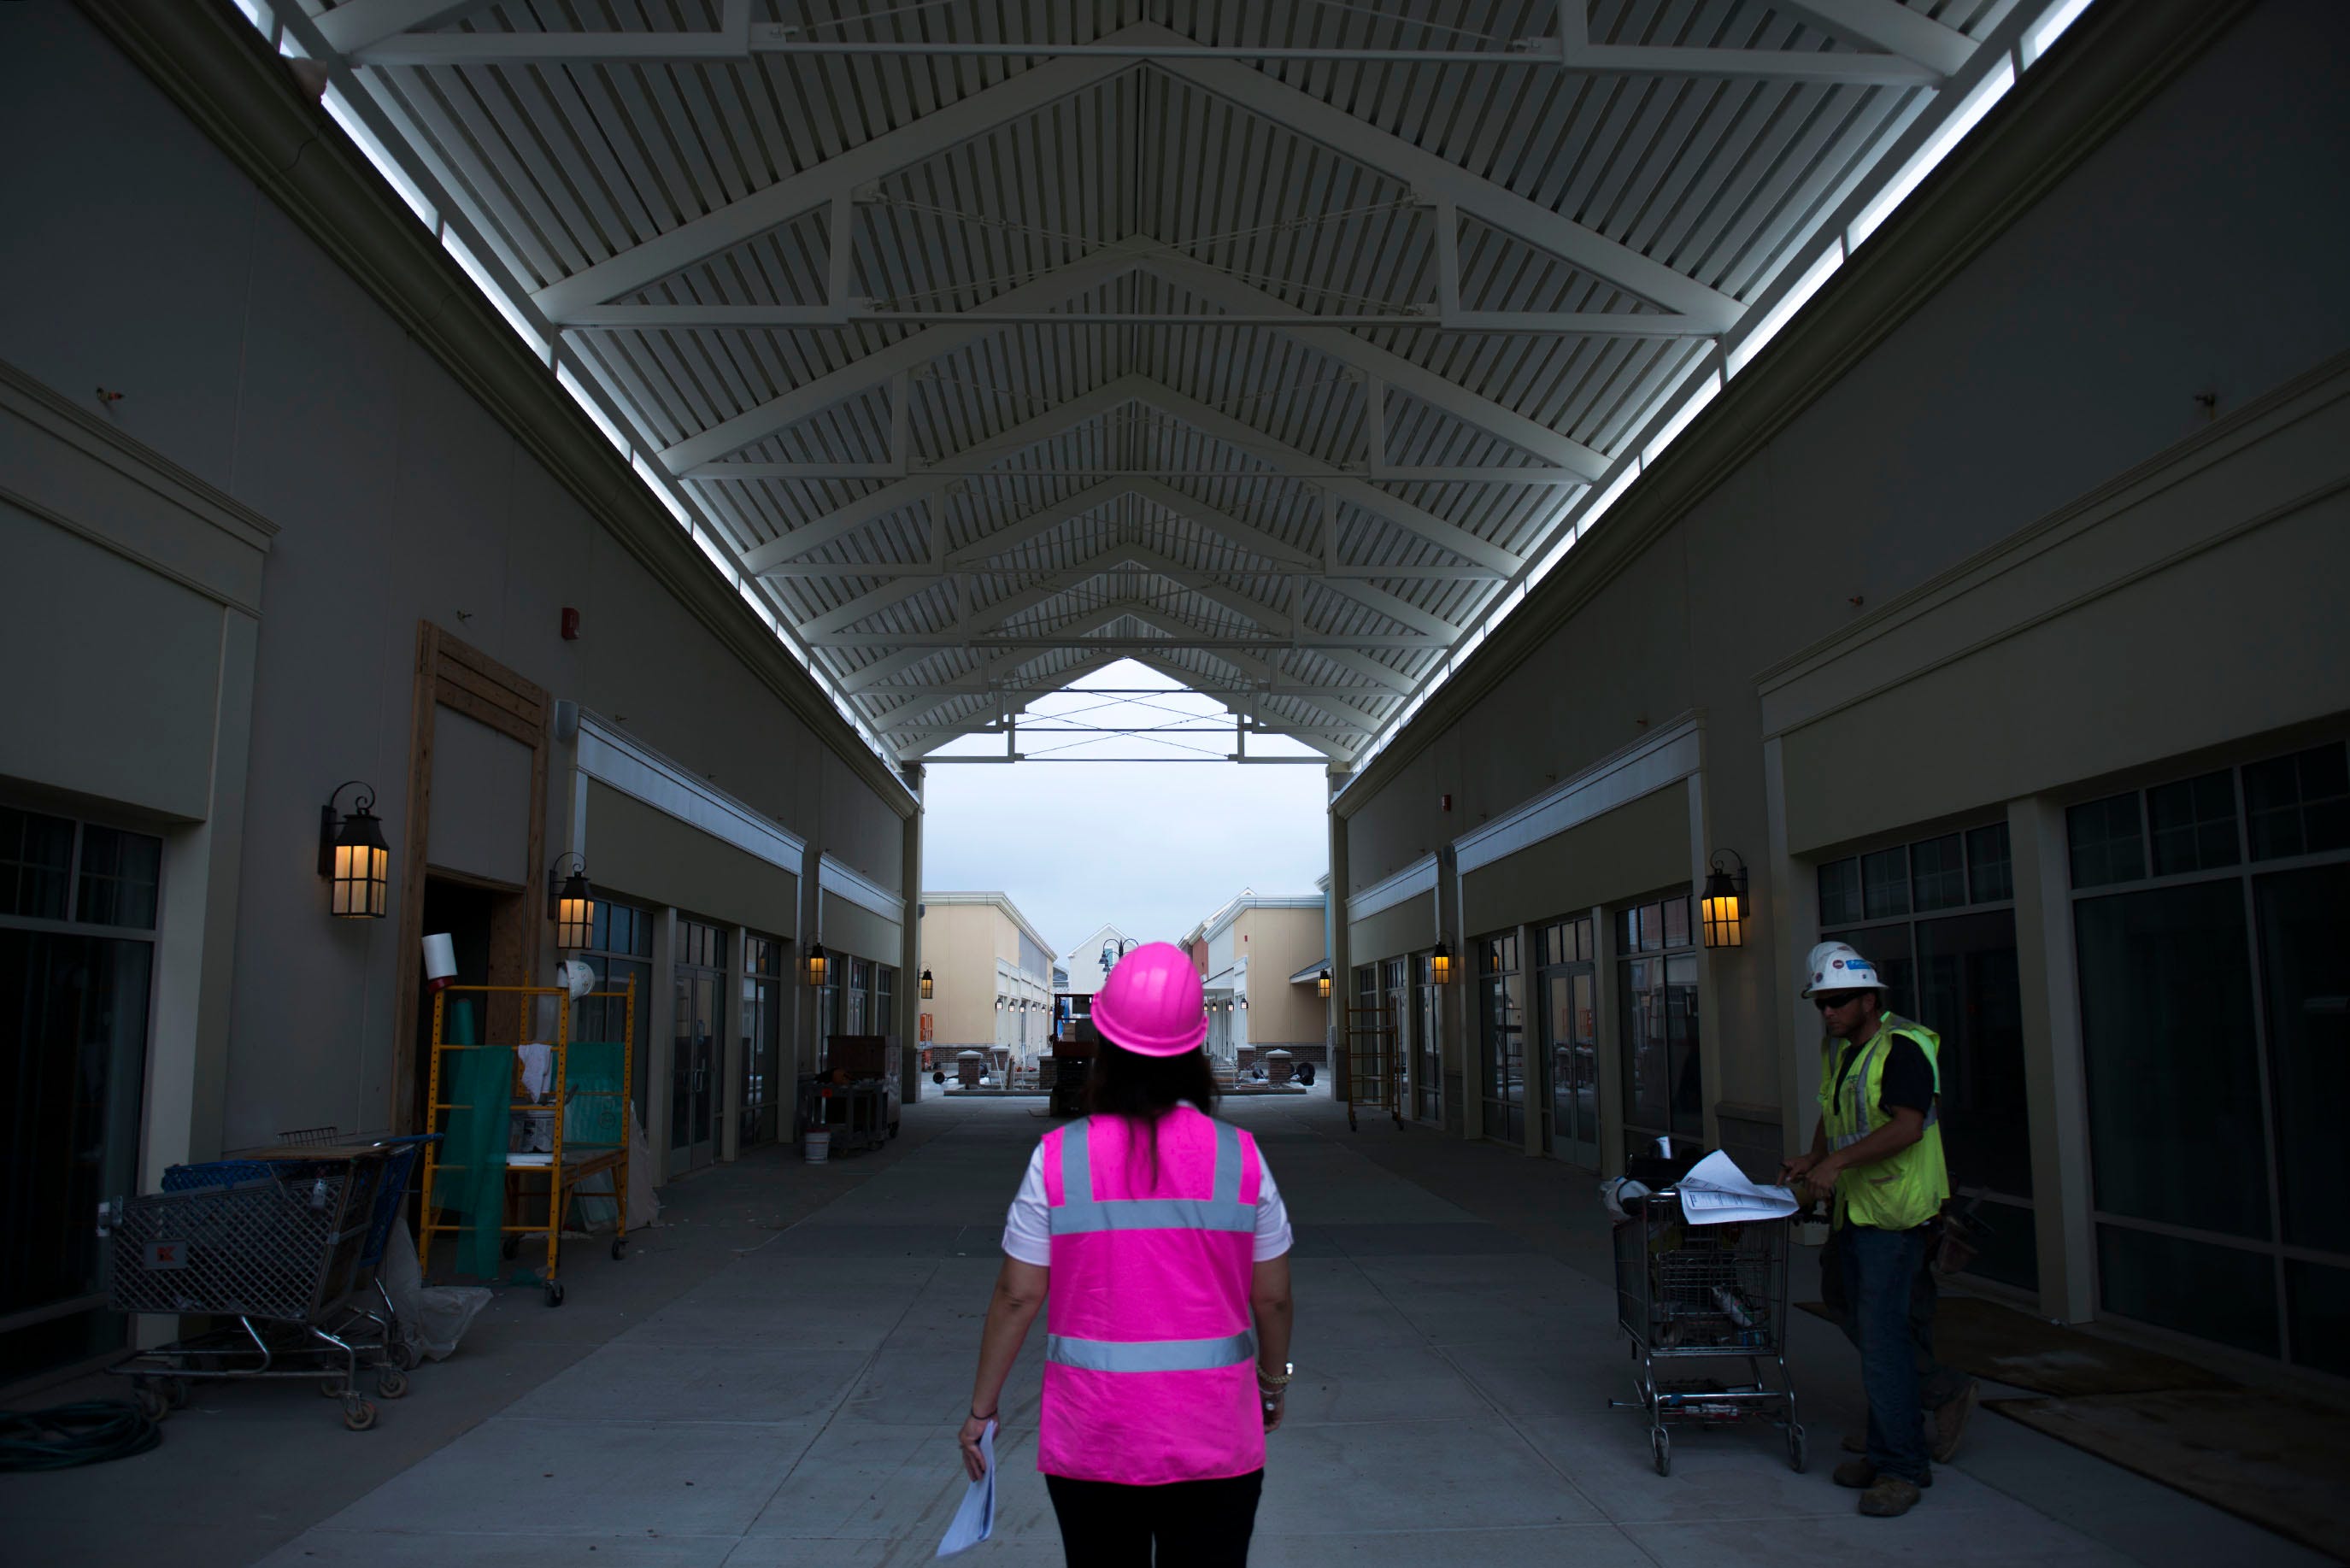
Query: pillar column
pixel 907 1024
pixel 1457 1009
pixel 2054 1080
pixel 1334 1011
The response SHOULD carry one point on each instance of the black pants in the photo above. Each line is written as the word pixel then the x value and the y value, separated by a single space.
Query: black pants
pixel 1195 1524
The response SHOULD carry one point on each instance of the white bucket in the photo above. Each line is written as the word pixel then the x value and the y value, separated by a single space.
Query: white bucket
pixel 819 1145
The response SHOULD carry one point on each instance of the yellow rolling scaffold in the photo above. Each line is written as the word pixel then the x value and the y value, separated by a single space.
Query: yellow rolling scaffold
pixel 568 1163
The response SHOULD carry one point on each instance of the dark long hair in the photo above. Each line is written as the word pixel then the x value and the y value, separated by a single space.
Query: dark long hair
pixel 1125 1082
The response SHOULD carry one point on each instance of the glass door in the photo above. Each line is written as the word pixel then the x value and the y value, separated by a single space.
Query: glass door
pixel 1663 1088
pixel 1428 1065
pixel 698 976
pixel 78 904
pixel 1571 1040
pixel 762 1041
pixel 1502 985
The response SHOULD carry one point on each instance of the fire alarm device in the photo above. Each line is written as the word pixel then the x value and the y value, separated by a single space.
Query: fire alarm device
pixel 1447 800
pixel 570 624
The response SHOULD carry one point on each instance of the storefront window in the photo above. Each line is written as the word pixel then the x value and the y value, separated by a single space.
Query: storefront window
pixel 1664 1090
pixel 763 993
pixel 1955 972
pixel 2217 1042
pixel 1568 988
pixel 77 908
pixel 1501 1015
pixel 620 949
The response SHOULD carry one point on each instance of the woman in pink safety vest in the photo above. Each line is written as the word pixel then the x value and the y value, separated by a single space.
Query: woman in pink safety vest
pixel 1153 1236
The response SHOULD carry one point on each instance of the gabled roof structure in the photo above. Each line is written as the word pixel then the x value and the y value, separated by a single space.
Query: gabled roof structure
pixel 1279 344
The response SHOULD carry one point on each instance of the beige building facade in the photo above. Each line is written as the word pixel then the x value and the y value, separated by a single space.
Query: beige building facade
pixel 342 541
pixel 1990 619
pixel 1250 948
pixel 991 980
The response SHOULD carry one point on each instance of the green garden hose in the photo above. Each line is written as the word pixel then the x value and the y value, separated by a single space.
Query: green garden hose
pixel 71 1435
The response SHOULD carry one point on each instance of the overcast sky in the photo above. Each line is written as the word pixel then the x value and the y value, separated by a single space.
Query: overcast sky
pixel 1152 847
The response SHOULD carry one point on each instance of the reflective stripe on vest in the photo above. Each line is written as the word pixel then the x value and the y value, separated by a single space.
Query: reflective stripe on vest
pixel 1150 1355
pixel 1079 1211
pixel 1856 1082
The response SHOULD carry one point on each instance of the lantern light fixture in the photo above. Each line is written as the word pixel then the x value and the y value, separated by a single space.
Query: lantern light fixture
pixel 570 903
pixel 1440 965
pixel 1243 1002
pixel 816 965
pixel 1724 904
pixel 1322 985
pixel 353 856
pixel 926 985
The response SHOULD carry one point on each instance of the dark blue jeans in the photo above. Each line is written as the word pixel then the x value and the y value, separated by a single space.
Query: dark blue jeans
pixel 1880 1270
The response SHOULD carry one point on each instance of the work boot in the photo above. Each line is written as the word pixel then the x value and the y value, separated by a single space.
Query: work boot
pixel 1890 1498
pixel 1951 1421
pixel 1860 1475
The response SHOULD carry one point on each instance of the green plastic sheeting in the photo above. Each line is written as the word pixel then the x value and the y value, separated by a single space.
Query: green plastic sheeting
pixel 481 1087
pixel 595 1118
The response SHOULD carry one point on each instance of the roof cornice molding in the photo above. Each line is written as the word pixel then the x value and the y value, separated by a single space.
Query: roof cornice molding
pixel 2088 86
pixel 999 900
pixel 211 63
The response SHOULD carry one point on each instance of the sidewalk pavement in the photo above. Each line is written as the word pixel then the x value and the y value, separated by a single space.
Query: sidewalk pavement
pixel 775 1377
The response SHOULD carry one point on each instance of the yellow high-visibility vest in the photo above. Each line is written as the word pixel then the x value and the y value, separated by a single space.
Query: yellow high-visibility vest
pixel 1907 1189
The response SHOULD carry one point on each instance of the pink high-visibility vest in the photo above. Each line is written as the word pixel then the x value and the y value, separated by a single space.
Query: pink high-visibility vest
pixel 1148 1349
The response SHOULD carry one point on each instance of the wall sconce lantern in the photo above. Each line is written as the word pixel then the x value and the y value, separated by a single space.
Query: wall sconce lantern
pixel 999 1005
pixel 1724 904
pixel 816 965
pixel 570 904
pixel 1243 1004
pixel 926 985
pixel 353 856
pixel 1440 965
pixel 1322 985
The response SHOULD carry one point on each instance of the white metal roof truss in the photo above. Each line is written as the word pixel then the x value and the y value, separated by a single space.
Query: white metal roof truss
pixel 1270 343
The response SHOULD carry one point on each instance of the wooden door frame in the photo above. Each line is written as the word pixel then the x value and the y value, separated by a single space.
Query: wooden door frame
pixel 452 674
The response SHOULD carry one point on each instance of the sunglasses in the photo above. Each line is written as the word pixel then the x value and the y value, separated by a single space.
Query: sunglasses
pixel 1826 1003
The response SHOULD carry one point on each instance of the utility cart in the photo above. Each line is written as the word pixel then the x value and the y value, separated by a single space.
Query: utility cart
pixel 1715 1294
pixel 281 1243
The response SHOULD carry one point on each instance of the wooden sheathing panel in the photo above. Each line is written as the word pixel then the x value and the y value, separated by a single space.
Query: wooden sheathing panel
pixel 449 673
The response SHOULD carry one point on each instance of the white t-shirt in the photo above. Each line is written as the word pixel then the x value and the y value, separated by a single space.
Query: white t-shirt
pixel 1028 1227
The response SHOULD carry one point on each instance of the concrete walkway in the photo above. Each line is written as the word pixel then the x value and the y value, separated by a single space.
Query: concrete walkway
pixel 774 1375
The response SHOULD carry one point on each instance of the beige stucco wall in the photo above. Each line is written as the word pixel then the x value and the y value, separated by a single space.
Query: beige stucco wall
pixel 1280 942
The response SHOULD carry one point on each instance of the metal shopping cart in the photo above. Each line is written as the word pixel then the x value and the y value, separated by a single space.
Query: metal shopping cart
pixel 1704 1293
pixel 286 1245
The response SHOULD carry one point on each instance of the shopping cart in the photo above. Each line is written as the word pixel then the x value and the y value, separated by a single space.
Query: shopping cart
pixel 1704 1293
pixel 282 1246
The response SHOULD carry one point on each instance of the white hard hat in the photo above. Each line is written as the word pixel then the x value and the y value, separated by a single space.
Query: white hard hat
pixel 1835 966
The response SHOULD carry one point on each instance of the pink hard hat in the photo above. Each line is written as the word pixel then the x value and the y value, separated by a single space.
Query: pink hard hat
pixel 1150 1002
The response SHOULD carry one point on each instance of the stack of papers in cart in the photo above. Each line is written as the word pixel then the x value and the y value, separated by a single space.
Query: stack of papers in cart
pixel 1716 1193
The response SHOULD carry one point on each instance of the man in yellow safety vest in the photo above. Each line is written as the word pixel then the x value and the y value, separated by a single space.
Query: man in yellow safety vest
pixel 1878 1153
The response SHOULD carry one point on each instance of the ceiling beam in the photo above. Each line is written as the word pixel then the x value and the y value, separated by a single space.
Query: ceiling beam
pixel 1238 434
pixel 1891 25
pixel 1432 175
pixel 1395 681
pixel 354 25
pixel 836 178
pixel 865 604
pixel 877 504
pixel 908 353
pixel 667 45
pixel 1446 396
pixel 1399 609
